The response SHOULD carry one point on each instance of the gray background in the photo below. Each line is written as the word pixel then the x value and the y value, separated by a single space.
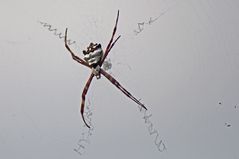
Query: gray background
pixel 181 66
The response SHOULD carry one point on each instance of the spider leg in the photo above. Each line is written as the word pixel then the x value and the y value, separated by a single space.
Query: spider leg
pixel 113 43
pixel 111 40
pixel 83 98
pixel 120 87
pixel 76 58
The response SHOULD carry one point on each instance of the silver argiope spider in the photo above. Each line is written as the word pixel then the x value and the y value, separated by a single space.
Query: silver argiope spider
pixel 94 58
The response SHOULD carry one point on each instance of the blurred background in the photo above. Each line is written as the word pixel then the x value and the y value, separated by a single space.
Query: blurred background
pixel 180 57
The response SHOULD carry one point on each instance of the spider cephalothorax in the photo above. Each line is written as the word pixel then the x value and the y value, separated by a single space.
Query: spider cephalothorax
pixel 94 57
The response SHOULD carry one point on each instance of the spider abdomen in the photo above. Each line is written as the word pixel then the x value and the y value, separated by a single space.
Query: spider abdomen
pixel 93 54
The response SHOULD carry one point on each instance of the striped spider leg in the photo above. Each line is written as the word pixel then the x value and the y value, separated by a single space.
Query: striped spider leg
pixel 74 57
pixel 120 87
pixel 100 70
pixel 81 61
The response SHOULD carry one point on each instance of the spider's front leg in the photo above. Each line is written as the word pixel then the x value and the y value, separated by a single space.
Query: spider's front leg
pixel 121 88
pixel 83 98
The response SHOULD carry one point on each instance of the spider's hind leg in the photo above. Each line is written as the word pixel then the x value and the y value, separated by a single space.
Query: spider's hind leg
pixel 75 57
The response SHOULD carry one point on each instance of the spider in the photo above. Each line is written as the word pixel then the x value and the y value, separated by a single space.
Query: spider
pixel 93 59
